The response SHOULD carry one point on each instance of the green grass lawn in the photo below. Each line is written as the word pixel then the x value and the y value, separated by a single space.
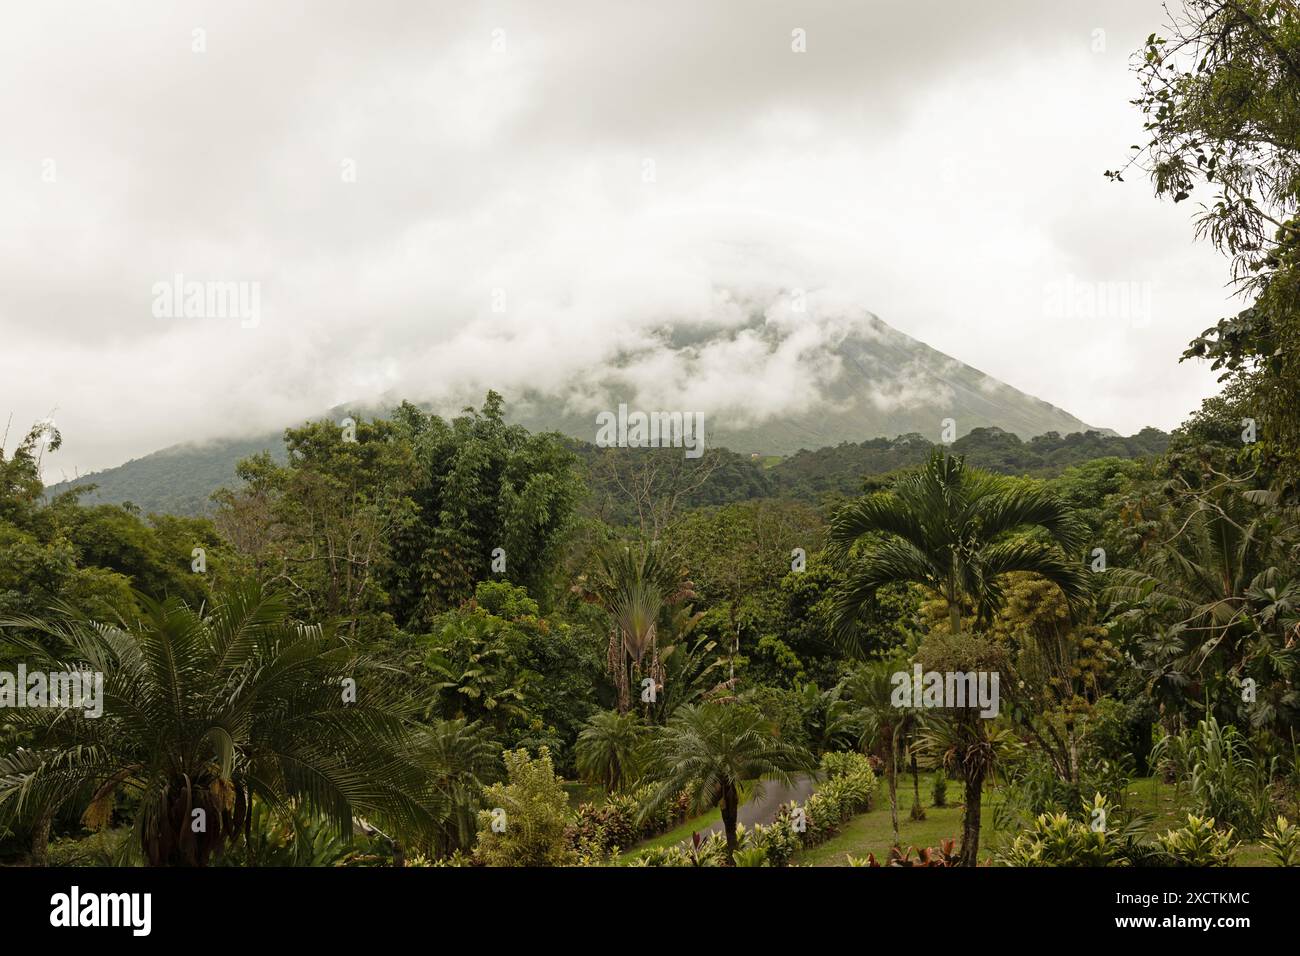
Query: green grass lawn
pixel 874 833
pixel 1150 795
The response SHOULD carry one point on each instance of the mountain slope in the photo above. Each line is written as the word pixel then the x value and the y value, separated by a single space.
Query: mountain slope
pixel 869 381
pixel 852 381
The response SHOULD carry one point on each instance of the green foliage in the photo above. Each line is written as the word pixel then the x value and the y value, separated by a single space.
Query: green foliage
pixel 1221 95
pixel 600 829
pixel 958 533
pixel 939 793
pixel 663 856
pixel 321 525
pixel 1282 841
pixel 849 788
pixel 477 672
pixel 844 763
pixel 752 856
pixel 459 759
pixel 609 749
pixel 207 711
pixel 839 471
pixel 301 841
pixel 481 485
pixel 760 845
pixel 638 586
pixel 57 550
pixel 710 751
pixel 536 815
pixel 1213 603
pixel 532 679
pixel 1199 844
pixel 778 841
pixel 1226 783
pixel 1056 840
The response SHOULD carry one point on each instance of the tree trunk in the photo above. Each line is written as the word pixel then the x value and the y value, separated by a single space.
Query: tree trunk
pixel 891 768
pixel 730 806
pixel 970 824
pixel 1140 746
pixel 41 838
pixel 918 812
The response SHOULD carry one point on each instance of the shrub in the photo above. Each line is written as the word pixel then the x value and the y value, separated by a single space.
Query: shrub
pixel 753 856
pixel 1226 784
pixel 850 789
pixel 939 796
pixel 842 763
pixel 599 829
pixel 943 855
pixel 1034 788
pixel 534 828
pixel 662 856
pixel 778 839
pixel 1198 844
pixel 1056 840
pixel 1094 839
pixel 1282 841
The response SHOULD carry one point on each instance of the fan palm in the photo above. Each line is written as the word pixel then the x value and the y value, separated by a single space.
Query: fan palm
pixel 635 585
pixel 711 751
pixel 608 749
pixel 958 532
pixel 204 712
pixel 460 759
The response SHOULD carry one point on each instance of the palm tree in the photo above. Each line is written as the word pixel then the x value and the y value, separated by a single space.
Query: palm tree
pixel 608 749
pixel 878 722
pixel 205 712
pixel 962 743
pixel 958 532
pixel 711 751
pixel 1218 603
pixel 634 585
pixel 460 759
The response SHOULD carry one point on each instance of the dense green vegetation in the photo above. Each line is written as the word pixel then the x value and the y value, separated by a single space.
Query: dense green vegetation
pixel 407 640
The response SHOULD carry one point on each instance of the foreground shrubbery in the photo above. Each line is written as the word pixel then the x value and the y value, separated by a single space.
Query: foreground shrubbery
pixel 1057 840
pixel 527 817
pixel 602 829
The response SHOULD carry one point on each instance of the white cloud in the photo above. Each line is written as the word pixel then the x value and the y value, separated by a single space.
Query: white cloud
pixel 937 165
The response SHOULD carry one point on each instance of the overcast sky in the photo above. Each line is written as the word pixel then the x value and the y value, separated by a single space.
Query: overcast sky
pixel 380 168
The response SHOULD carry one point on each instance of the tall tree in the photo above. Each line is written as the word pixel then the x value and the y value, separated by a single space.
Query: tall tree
pixel 636 585
pixel 711 751
pixel 492 502
pixel 320 527
pixel 1220 88
pixel 958 532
